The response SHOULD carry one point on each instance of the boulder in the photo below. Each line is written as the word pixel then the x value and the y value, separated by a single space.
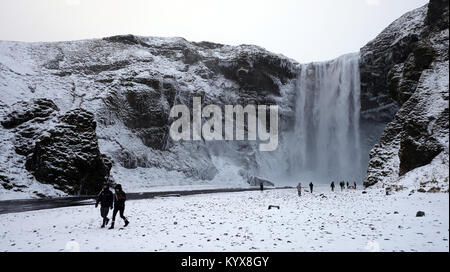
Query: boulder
pixel 57 149
pixel 420 214
pixel 67 155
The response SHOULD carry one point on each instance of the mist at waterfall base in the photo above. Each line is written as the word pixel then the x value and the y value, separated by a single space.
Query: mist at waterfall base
pixel 323 143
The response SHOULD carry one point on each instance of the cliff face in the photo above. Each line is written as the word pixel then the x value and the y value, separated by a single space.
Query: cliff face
pixel 129 84
pixel 406 66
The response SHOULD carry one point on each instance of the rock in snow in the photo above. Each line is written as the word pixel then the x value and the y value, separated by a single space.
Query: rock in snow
pixel 60 150
pixel 420 214
pixel 67 155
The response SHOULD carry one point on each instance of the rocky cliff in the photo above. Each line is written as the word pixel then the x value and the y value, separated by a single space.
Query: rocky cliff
pixel 128 84
pixel 406 67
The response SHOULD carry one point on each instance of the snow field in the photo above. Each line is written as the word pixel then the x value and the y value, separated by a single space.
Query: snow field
pixel 323 221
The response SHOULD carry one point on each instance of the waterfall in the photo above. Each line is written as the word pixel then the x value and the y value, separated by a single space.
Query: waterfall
pixel 326 132
pixel 323 143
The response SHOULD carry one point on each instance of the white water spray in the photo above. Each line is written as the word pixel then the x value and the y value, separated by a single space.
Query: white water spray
pixel 324 144
pixel 327 120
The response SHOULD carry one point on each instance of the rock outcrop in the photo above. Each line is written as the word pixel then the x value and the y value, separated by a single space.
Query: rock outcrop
pixel 61 150
pixel 67 155
pixel 407 65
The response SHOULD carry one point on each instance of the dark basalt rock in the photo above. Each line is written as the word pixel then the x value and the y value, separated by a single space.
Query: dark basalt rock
pixel 438 14
pixel 414 154
pixel 420 214
pixel 209 45
pixel 254 73
pixel 418 145
pixel 60 150
pixel 381 62
pixel 126 39
pixel 190 56
pixel 145 111
pixel 394 55
pixel 6 182
pixel 412 136
pixel 424 54
pixel 27 119
pixel 38 109
pixel 68 156
pixel 98 68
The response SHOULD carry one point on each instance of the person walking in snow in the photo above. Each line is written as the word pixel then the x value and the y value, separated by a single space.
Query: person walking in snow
pixel 311 187
pixel 119 205
pixel 342 184
pixel 354 185
pixel 332 186
pixel 261 186
pixel 105 198
pixel 348 185
pixel 299 189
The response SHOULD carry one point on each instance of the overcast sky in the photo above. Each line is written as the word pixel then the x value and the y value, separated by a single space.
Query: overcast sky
pixel 305 30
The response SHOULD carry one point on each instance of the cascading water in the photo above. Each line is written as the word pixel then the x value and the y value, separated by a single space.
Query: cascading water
pixel 324 143
pixel 327 144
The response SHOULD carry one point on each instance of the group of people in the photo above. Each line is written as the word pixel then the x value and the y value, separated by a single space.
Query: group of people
pixel 342 185
pixel 299 188
pixel 115 202
pixel 332 185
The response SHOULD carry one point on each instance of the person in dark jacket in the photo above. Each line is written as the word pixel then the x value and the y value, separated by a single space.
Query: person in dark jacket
pixel 354 184
pixel 119 205
pixel 348 185
pixel 105 198
pixel 332 186
pixel 311 185
pixel 342 184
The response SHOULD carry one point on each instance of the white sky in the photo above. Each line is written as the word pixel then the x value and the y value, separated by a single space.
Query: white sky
pixel 305 30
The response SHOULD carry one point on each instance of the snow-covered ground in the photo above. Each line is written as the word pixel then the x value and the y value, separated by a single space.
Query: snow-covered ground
pixel 323 221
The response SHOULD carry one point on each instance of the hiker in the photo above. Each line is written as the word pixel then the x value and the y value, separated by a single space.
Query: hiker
pixel 119 205
pixel 105 198
pixel 311 187
pixel 342 184
pixel 261 186
pixel 299 189
pixel 354 185
pixel 348 186
pixel 332 186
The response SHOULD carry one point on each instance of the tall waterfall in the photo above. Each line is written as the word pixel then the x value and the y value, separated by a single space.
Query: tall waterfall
pixel 327 141
pixel 324 143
